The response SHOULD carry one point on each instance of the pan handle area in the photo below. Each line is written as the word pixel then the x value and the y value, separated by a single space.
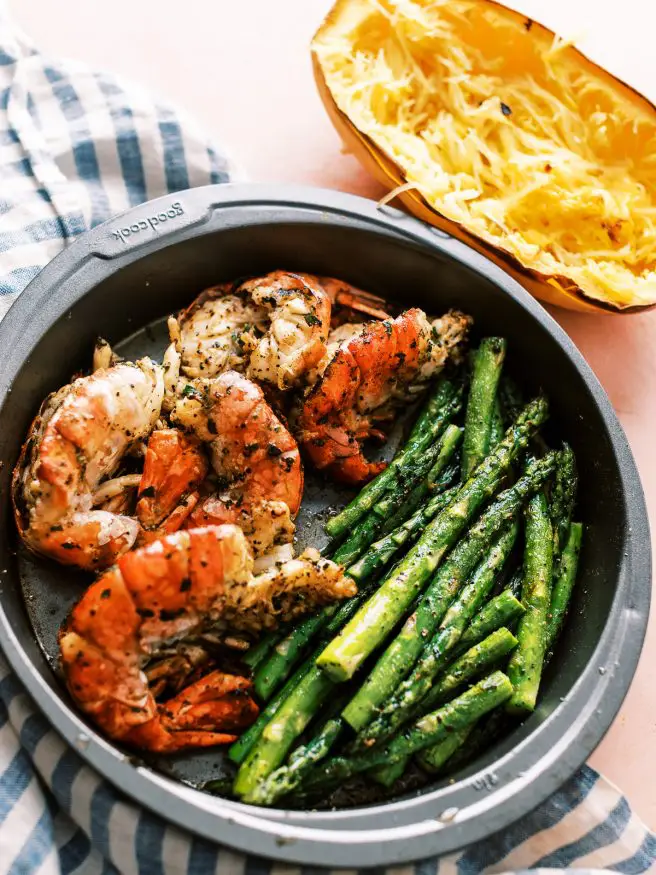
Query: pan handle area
pixel 146 224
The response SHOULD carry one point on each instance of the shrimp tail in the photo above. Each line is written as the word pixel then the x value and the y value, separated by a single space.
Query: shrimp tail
pixel 189 720
pixel 174 467
pixel 343 294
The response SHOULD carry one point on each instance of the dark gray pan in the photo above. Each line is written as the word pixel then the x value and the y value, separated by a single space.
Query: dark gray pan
pixel 130 273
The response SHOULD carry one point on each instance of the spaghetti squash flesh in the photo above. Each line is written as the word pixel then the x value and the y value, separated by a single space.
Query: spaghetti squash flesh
pixel 516 138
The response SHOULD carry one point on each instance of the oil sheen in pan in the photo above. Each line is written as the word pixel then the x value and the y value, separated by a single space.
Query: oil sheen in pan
pixel 50 590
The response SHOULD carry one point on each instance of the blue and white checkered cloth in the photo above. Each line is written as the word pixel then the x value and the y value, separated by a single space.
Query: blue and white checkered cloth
pixel 77 147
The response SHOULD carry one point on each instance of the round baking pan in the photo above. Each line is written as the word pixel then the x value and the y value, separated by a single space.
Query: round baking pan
pixel 119 281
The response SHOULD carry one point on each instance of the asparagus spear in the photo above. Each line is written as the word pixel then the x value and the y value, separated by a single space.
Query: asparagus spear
pixel 438 477
pixel 564 581
pixel 515 582
pixel 362 535
pixel 290 719
pixel 436 654
pixel 421 494
pixel 389 773
pixel 473 663
pixel 380 553
pixel 401 655
pixel 335 616
pixel 286 778
pixel 482 735
pixel 384 609
pixel 425 732
pixel 434 758
pixel 397 505
pixel 488 361
pixel 438 398
pixel 239 750
pixel 426 471
pixel 271 674
pixel 563 495
pixel 525 666
pixel 444 403
pixel 511 402
pixel 257 654
pixel 499 611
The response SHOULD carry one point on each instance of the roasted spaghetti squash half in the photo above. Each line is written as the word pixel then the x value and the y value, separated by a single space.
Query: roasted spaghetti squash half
pixel 504 135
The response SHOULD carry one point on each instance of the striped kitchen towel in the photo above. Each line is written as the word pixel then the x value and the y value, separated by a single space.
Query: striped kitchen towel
pixel 77 147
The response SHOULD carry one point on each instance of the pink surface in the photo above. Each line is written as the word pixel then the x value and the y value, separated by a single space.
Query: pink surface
pixel 243 68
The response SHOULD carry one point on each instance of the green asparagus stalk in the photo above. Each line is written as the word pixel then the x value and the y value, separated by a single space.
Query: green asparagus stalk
pixel 476 661
pixel 502 610
pixel 286 778
pixel 397 505
pixel 439 397
pixel 256 655
pixel 271 674
pixel 374 621
pixel 564 581
pixel 436 654
pixel 419 496
pixel 482 735
pixel 473 663
pixel 273 671
pixel 390 773
pixel 300 762
pixel 277 737
pixel 515 582
pixel 425 732
pixel 334 616
pixel 239 750
pixel 511 402
pixel 400 656
pixel 439 476
pixel 434 758
pixel 563 496
pixel 525 666
pixel 426 471
pixel 444 403
pixel 381 553
pixel 364 533
pixel 488 361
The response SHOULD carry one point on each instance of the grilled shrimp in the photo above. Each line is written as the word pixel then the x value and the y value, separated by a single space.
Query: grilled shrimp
pixel 77 441
pixel 255 457
pixel 165 592
pixel 272 329
pixel 347 300
pixel 174 467
pixel 385 365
